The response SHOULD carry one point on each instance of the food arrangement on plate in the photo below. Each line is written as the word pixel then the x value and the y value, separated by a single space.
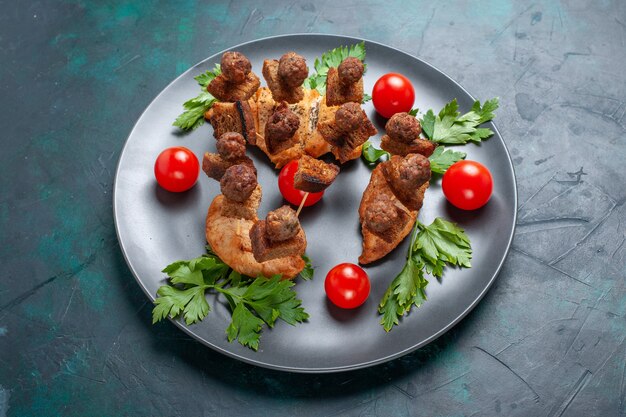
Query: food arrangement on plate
pixel 309 126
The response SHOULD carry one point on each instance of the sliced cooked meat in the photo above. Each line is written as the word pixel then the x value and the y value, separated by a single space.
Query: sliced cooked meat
pixel 395 147
pixel 231 146
pixel 350 70
pixel 282 224
pixel 381 214
pixel 238 182
pixel 314 175
pixel 235 67
pixel 280 128
pixel 349 117
pixel 292 69
pixel 403 127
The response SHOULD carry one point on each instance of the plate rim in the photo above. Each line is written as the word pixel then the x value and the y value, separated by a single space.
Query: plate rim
pixel 316 370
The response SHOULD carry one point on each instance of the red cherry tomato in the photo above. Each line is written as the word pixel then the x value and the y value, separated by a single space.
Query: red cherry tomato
pixel 393 93
pixel 467 185
pixel 291 194
pixel 347 285
pixel 176 169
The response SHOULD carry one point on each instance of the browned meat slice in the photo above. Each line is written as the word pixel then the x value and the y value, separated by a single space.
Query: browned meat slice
pixel 233 117
pixel 405 175
pixel 280 90
pixel 279 236
pixel 226 91
pixel 345 83
pixel 281 128
pixel 229 237
pixel 238 182
pixel 348 130
pixel 420 146
pixel 314 175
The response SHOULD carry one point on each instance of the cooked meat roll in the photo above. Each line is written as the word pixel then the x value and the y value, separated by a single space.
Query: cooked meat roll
pixel 348 117
pixel 235 67
pixel 280 128
pixel 314 175
pixel 282 224
pixel 292 69
pixel 381 215
pixel 406 175
pixel 403 127
pixel 231 146
pixel 350 70
pixel 238 182
pixel 278 236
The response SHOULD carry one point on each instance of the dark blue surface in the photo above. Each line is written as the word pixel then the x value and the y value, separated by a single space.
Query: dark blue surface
pixel 75 332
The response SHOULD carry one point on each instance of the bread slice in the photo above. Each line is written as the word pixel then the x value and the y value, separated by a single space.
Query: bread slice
pixel 224 90
pixel 280 92
pixel 375 245
pixel 264 249
pixel 229 237
pixel 314 175
pixel 395 147
pixel 214 166
pixel 246 210
pixel 338 93
pixel 232 117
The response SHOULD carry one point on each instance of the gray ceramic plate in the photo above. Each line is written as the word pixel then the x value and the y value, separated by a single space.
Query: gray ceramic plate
pixel 156 227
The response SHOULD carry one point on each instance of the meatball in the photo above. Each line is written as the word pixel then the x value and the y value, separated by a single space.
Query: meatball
pixel 282 224
pixel 349 117
pixel 381 214
pixel 235 67
pixel 231 146
pixel 410 172
pixel 292 69
pixel 283 124
pixel 238 182
pixel 350 70
pixel 403 127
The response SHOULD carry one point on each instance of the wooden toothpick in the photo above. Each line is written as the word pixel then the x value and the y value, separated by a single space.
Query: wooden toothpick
pixel 302 204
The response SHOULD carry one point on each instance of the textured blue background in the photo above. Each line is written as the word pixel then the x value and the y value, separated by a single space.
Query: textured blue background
pixel 75 332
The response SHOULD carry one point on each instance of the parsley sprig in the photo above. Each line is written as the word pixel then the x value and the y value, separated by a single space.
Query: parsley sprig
pixel 432 247
pixel 253 302
pixel 332 59
pixel 193 116
pixel 451 128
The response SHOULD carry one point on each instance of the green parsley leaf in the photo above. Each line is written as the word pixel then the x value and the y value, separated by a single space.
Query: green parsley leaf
pixel 366 98
pixel 253 302
pixel 443 158
pixel 413 112
pixel 432 248
pixel 308 271
pixel 332 59
pixel 193 116
pixel 371 154
pixel 245 327
pixel 449 127
pixel 443 243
